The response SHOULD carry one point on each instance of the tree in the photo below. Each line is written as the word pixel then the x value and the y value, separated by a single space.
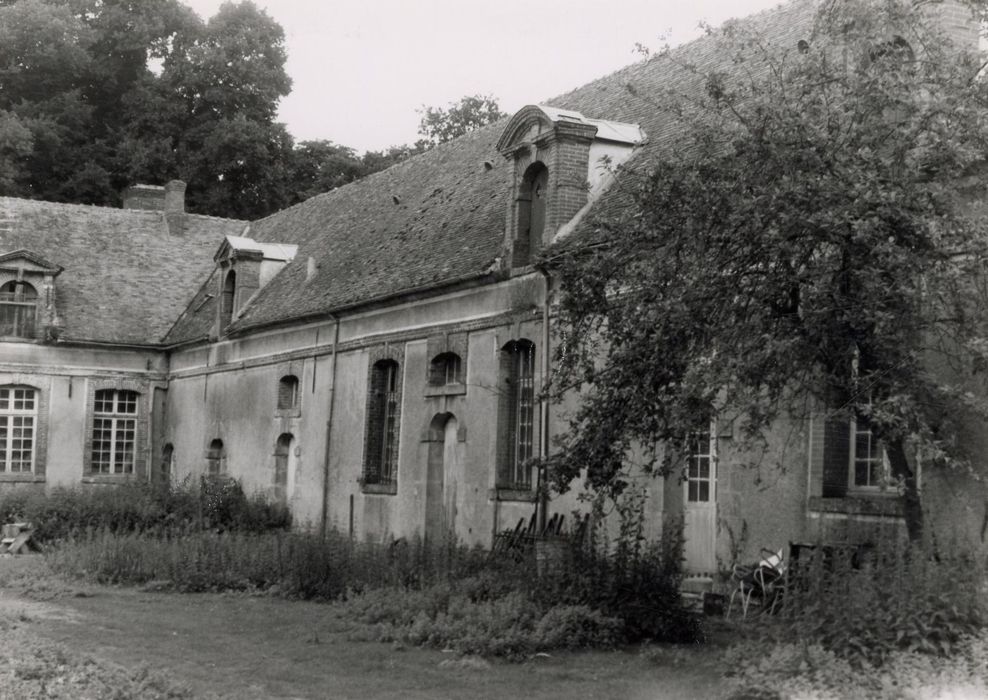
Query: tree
pixel 808 238
pixel 442 124
pixel 76 75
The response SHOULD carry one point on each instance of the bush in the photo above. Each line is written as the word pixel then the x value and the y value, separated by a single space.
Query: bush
pixel 900 599
pixel 206 503
pixel 799 670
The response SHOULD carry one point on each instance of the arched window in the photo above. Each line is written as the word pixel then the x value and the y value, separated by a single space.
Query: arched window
pixel 383 413
pixel 18 428
pixel 288 392
pixel 114 431
pixel 446 369
pixel 282 455
pixel 227 299
pixel 216 458
pixel 516 415
pixel 532 212
pixel 167 459
pixel 18 309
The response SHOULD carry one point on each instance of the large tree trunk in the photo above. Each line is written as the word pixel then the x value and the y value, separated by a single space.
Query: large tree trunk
pixel 912 508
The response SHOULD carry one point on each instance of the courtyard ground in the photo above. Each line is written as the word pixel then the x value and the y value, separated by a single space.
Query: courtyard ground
pixel 67 640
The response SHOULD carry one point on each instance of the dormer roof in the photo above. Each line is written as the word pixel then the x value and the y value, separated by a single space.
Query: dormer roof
pixel 234 247
pixel 27 260
pixel 520 126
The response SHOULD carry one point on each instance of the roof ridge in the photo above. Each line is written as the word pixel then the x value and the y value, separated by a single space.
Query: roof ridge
pixel 99 208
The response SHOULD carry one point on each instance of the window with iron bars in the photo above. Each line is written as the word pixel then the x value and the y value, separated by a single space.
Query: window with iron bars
pixel 518 436
pixel 384 406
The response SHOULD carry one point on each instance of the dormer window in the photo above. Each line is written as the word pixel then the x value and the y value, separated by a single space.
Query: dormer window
pixel 245 266
pixel 227 306
pixel 560 161
pixel 18 310
pixel 532 197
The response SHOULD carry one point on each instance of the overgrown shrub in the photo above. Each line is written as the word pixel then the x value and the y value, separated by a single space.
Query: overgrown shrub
pixel 205 503
pixel 896 598
pixel 292 564
pixel 799 670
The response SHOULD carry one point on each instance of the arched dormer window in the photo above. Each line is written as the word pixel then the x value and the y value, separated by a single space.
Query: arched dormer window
pixel 18 309
pixel 446 369
pixel 532 198
pixel 226 300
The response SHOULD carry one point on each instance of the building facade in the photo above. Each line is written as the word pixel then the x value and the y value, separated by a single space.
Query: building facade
pixel 373 356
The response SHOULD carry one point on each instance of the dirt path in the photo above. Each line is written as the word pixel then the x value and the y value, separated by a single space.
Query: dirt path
pixel 234 646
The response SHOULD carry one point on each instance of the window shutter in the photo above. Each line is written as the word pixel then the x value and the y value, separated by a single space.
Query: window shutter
pixel 836 457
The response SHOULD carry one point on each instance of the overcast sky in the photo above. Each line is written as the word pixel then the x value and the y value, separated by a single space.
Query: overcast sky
pixel 362 67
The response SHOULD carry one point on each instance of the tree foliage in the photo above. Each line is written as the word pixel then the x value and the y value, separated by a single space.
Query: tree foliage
pixel 442 124
pixel 810 238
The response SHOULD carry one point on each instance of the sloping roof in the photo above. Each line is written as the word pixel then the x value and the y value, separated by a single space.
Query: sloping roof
pixel 438 218
pixel 126 278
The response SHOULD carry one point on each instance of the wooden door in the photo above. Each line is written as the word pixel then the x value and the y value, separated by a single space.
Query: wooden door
pixel 700 511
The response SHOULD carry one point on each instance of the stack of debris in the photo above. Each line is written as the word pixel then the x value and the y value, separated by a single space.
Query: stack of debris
pixel 17 539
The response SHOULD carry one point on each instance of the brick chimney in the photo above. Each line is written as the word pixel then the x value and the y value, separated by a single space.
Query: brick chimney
pixel 175 207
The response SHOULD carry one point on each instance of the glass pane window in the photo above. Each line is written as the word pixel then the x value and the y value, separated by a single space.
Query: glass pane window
pixel 698 473
pixel 114 432
pixel 869 463
pixel 18 426
pixel 18 307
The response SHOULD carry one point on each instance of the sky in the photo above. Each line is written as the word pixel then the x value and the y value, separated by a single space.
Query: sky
pixel 361 68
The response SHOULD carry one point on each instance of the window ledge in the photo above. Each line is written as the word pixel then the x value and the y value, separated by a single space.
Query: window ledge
pixel 107 478
pixel 288 412
pixel 21 478
pixel 445 390
pixel 380 489
pixel 520 495
pixel 859 504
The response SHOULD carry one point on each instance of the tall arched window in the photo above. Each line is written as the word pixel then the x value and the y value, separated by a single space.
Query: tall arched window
pixel 227 299
pixel 216 458
pixel 383 413
pixel 167 459
pixel 282 456
pixel 114 431
pixel 18 309
pixel 516 415
pixel 532 211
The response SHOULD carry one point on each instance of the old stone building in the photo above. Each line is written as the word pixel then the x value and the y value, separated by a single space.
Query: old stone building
pixel 373 355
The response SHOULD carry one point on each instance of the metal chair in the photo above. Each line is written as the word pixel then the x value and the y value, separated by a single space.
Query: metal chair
pixel 764 581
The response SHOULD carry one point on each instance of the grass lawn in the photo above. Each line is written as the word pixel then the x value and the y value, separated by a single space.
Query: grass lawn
pixel 72 641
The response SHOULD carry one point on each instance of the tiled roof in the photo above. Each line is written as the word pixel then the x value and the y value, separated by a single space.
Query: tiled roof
pixel 439 217
pixel 432 219
pixel 126 278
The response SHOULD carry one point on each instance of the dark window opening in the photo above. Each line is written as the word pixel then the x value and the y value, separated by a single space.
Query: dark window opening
pixel 532 197
pixel 517 415
pixel 226 299
pixel 282 452
pixel 288 392
pixel 167 460
pixel 383 409
pixel 216 458
pixel 446 369
pixel 18 310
